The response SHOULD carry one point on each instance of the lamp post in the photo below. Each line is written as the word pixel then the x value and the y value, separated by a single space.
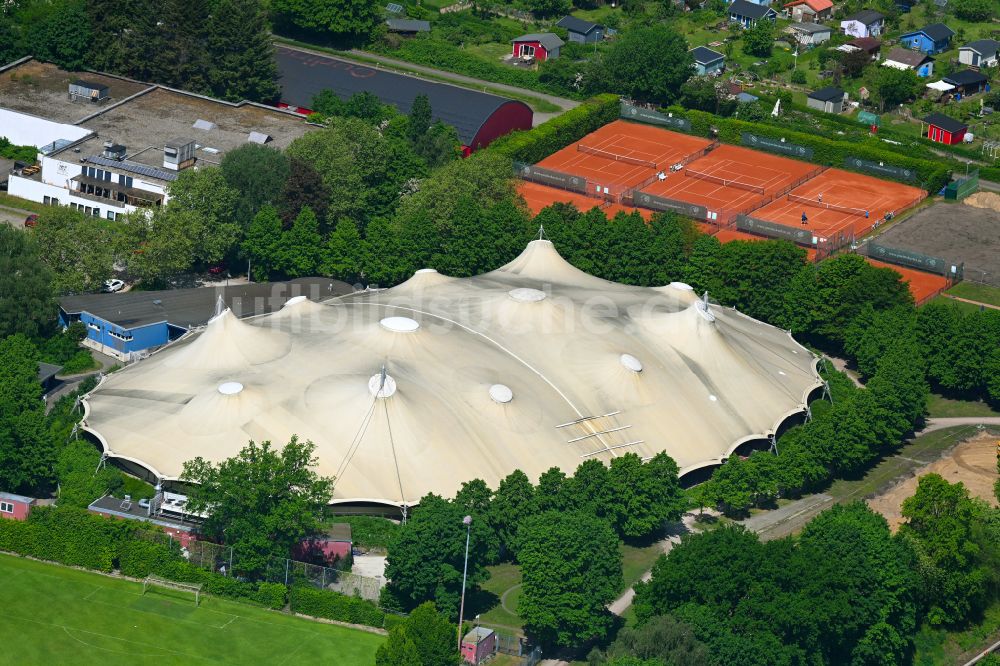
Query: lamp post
pixel 467 521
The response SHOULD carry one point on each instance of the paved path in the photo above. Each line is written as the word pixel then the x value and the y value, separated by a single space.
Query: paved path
pixel 13 216
pixel 840 365
pixel 948 422
pixel 968 300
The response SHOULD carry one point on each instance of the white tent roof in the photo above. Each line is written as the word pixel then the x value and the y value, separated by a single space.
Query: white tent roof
pixel 941 85
pixel 534 365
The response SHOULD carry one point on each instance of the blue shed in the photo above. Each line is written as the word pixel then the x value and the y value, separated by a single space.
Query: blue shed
pixel 931 39
pixel 126 324
pixel 707 61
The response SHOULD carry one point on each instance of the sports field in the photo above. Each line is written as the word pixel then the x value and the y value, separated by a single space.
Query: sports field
pixel 621 155
pixel 839 201
pixel 539 196
pixel 732 179
pixel 56 615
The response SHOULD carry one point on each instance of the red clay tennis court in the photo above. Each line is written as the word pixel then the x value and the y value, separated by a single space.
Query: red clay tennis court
pixel 541 196
pixel 840 201
pixel 923 286
pixel 732 179
pixel 622 155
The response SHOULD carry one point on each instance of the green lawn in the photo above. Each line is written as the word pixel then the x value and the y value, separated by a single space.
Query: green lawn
pixel 503 577
pixel 937 647
pixel 940 406
pixel 637 561
pixel 56 615
pixel 11 201
pixel 976 292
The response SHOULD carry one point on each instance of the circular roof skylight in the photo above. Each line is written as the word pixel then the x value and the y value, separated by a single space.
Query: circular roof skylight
pixel 501 394
pixel 380 389
pixel 399 324
pixel 294 300
pixel 630 362
pixel 681 286
pixel 421 271
pixel 230 388
pixel 526 295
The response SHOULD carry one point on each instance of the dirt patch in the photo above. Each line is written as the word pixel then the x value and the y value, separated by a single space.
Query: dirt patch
pixel 973 462
pixel 956 233
pixel 990 200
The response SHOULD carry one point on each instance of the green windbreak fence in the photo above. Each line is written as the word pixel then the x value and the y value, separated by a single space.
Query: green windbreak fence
pixel 773 230
pixel 544 176
pixel 881 169
pixel 776 146
pixel 918 260
pixel 963 187
pixel 639 114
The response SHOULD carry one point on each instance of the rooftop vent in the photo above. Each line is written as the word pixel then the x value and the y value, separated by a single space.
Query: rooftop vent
pixel 259 137
pixel 203 125
pixel 114 151
pixel 178 154
pixel 88 90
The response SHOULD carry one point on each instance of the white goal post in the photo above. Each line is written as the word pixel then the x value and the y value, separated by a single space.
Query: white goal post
pixel 156 581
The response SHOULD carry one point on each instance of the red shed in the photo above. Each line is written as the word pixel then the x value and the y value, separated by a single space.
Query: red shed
pixel 479 645
pixel 942 129
pixel 540 46
pixel 15 507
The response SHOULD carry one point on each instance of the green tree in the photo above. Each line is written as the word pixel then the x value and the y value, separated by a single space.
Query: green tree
pixel 419 118
pixel 549 7
pixel 649 63
pixel 758 40
pixel 26 302
pixel 258 175
pixel 699 93
pixel 663 640
pixel 79 251
pixel 398 650
pixel 266 518
pixel 304 187
pixel 185 61
pixel 433 636
pixel 27 454
pixel 300 248
pixel 973 10
pixel 512 503
pixel 161 245
pixel 82 478
pixel 239 40
pixel 646 496
pixel 890 86
pixel 207 196
pixel 61 33
pixel 344 21
pixel 571 569
pixel 345 252
pixel 426 556
pixel 261 244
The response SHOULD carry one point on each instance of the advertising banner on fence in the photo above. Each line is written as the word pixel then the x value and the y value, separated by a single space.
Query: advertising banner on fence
pixel 924 262
pixel 661 203
pixel 880 169
pixel 776 146
pixel 632 112
pixel 774 230
pixel 558 179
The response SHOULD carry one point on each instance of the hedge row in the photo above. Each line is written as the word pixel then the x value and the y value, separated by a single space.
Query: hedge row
pixel 536 144
pixel 829 152
pixel 76 537
pixel 323 603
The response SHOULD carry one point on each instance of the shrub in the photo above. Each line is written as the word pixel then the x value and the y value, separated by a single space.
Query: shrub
pixel 271 595
pixel 334 606
pixel 798 76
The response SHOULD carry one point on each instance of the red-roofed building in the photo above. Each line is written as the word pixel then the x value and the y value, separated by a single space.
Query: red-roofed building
pixel 810 11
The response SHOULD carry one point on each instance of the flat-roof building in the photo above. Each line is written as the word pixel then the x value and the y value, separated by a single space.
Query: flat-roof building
pixel 118 144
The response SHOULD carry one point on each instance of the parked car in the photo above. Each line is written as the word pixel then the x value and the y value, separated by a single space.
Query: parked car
pixel 113 285
pixel 31 220
pixel 217 269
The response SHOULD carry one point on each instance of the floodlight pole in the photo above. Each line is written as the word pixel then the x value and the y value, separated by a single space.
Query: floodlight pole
pixel 465 572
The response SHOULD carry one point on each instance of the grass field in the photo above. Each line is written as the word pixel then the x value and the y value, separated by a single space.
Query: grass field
pixel 56 615
pixel 940 406
pixel 983 293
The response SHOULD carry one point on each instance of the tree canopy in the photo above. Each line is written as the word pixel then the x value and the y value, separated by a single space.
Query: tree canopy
pixel 263 501
pixel 26 298
pixel 649 63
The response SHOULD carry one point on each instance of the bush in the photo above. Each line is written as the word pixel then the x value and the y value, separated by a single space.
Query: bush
pixel 334 606
pixel 798 76
pixel 79 362
pixel 271 595
pixel 537 143
pixel 932 176
pixel 27 154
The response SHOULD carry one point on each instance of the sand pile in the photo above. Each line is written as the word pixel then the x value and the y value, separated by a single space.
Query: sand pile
pixel 990 200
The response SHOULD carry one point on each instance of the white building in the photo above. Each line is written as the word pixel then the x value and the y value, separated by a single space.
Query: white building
pixel 112 145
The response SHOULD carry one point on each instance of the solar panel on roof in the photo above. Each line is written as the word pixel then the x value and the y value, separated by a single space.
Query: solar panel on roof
pixel 133 167
pixel 394 8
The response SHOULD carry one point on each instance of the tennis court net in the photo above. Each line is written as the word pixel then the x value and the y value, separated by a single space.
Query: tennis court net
pixel 724 181
pixel 816 203
pixel 607 154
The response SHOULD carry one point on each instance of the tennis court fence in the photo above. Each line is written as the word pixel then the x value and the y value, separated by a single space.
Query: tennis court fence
pixel 954 271
pixel 570 182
